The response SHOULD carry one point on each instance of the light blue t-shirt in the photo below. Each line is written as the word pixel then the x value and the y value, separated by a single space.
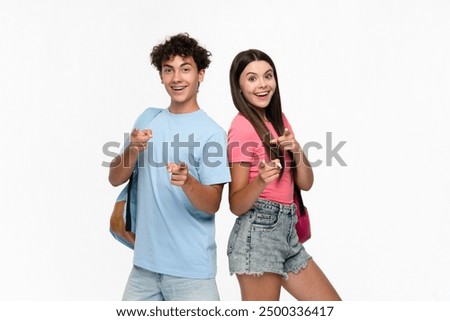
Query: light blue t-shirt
pixel 172 236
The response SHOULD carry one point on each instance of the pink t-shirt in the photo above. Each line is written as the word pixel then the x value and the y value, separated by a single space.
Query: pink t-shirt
pixel 244 145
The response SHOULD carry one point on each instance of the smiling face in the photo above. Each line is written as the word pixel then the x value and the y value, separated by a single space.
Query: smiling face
pixel 181 79
pixel 257 83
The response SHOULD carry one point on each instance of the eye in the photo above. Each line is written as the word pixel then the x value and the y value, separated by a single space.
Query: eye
pixel 269 76
pixel 166 70
pixel 252 78
pixel 186 69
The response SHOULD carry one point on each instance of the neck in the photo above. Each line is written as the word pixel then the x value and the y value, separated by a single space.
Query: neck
pixel 176 108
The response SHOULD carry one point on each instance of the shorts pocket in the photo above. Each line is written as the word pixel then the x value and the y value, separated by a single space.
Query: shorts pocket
pixel 233 235
pixel 264 220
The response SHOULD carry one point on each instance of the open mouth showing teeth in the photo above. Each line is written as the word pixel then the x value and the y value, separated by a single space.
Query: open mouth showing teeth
pixel 262 94
pixel 177 88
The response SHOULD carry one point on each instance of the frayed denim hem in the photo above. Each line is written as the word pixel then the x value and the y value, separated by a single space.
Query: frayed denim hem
pixel 300 268
pixel 258 274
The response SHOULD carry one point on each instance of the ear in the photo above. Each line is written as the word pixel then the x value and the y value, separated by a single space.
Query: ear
pixel 201 75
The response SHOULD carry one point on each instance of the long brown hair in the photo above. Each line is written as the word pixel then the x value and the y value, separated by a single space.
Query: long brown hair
pixel 273 110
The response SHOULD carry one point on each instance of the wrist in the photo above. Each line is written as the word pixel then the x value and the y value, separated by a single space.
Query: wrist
pixel 297 148
pixel 260 182
pixel 133 149
pixel 188 184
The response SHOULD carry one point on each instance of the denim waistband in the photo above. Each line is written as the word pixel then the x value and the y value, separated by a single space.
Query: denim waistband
pixel 274 206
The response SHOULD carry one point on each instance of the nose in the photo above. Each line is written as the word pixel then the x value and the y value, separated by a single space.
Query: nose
pixel 262 83
pixel 176 75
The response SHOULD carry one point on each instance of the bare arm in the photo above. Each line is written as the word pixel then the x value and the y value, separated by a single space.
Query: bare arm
pixel 122 166
pixel 304 178
pixel 206 198
pixel 242 194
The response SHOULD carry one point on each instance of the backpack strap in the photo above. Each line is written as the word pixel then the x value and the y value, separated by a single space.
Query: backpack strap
pixel 146 117
pixel 142 121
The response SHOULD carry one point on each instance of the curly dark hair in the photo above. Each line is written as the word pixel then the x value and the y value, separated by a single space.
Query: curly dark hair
pixel 180 45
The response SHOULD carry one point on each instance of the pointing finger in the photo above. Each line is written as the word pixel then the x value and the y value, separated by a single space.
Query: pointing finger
pixel 170 167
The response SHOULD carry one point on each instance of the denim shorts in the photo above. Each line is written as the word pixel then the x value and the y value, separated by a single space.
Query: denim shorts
pixel 265 240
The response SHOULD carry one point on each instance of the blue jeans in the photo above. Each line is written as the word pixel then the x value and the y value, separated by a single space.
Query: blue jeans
pixel 145 285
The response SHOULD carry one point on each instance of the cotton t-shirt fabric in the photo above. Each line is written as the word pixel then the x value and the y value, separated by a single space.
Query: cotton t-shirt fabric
pixel 172 236
pixel 244 145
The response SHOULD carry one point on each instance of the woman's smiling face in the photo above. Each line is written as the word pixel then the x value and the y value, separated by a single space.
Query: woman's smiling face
pixel 257 83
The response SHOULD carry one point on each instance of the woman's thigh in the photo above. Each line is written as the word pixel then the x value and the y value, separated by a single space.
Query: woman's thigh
pixel 265 287
pixel 310 284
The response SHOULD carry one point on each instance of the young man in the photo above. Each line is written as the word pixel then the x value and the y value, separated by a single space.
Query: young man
pixel 182 165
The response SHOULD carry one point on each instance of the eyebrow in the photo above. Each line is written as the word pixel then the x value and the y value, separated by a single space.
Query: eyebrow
pixel 254 73
pixel 182 65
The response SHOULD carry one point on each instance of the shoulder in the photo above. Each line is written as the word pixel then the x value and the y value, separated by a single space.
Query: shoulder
pixel 150 111
pixel 203 116
pixel 286 122
pixel 240 120
pixel 242 124
pixel 146 116
pixel 242 128
pixel 206 124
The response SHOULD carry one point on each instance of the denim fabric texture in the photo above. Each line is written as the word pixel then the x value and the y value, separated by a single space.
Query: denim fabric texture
pixel 144 285
pixel 265 240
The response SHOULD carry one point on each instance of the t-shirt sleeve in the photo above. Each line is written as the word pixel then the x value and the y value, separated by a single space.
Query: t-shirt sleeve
pixel 286 123
pixel 214 165
pixel 243 141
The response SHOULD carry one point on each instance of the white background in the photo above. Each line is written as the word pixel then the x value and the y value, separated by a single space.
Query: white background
pixel 75 74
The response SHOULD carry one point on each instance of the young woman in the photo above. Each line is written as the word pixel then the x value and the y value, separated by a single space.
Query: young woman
pixel 266 161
